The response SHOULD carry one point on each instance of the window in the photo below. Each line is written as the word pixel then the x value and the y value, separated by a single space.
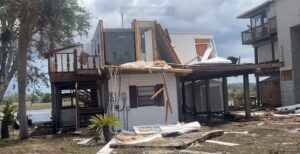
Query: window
pixel 286 75
pixel 144 95
pixel 140 96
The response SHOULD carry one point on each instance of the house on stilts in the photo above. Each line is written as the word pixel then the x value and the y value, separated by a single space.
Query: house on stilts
pixel 143 75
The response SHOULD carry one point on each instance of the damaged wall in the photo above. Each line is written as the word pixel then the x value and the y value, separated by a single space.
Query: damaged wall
pixel 119 46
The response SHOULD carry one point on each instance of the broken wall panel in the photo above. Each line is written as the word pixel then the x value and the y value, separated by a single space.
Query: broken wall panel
pixel 165 49
pixel 119 46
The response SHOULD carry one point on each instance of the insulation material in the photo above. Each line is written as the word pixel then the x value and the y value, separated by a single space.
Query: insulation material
pixel 216 60
pixel 148 64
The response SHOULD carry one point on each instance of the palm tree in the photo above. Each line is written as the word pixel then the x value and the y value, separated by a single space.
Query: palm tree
pixel 7 119
pixel 103 123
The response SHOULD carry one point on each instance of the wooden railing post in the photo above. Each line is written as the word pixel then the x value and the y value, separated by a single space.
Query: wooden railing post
pixel 68 62
pixel 75 60
pixel 55 61
pixel 94 62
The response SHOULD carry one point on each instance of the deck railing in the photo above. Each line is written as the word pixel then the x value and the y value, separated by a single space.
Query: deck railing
pixel 71 62
pixel 258 33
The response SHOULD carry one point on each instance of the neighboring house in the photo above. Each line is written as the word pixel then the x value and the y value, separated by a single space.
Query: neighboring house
pixel 274 33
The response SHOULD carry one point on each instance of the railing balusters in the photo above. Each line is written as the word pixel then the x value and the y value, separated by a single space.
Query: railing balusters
pixel 68 62
pixel 94 62
pixel 55 62
pixel 61 62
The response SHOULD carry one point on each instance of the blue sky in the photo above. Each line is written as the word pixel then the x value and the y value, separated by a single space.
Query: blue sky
pixel 208 16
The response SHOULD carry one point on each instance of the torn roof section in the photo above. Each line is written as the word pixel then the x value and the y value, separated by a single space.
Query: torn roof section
pixel 145 41
pixel 192 47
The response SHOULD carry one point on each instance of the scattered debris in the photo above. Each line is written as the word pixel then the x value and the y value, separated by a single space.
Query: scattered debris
pixel 77 132
pixel 260 124
pixel 90 141
pixel 178 142
pixel 288 108
pixel 136 139
pixel 106 149
pixel 246 133
pixel 168 130
pixel 222 143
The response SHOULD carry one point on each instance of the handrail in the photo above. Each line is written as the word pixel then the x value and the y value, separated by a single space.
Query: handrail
pixel 257 33
pixel 71 62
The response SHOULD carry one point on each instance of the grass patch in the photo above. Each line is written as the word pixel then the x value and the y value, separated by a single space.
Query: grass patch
pixel 38 106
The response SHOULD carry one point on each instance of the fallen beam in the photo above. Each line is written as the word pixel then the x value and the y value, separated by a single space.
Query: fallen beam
pixel 221 143
pixel 180 142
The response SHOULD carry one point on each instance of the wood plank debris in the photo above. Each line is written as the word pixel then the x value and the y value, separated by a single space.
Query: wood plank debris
pixel 106 149
pixel 222 143
pixel 178 142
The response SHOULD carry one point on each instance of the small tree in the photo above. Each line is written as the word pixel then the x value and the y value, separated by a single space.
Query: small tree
pixel 7 119
pixel 46 98
pixel 102 123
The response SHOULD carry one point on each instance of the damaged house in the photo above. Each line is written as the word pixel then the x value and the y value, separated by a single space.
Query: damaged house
pixel 143 75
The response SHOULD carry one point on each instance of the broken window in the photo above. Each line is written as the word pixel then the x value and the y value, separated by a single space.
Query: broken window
pixel 144 96
pixel 141 96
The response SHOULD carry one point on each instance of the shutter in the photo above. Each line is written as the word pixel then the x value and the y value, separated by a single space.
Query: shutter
pixel 133 96
pixel 160 97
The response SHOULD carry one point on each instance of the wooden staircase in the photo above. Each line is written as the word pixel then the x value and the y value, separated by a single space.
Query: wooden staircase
pixel 90 106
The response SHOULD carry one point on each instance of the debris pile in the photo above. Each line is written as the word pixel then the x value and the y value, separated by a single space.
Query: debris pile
pixel 178 136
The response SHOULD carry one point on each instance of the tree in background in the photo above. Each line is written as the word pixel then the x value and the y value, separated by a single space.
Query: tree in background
pixel 37 25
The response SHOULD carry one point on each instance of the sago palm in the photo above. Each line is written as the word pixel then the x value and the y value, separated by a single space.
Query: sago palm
pixel 102 122
pixel 8 118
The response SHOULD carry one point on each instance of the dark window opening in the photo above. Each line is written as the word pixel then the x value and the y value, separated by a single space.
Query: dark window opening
pixel 145 94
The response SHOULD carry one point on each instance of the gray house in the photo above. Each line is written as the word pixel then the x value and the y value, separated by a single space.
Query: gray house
pixel 274 33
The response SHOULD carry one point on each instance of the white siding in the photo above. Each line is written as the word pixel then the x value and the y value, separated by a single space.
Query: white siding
pixel 288 14
pixel 276 51
pixel 150 115
pixel 272 10
pixel 264 53
pixel 184 45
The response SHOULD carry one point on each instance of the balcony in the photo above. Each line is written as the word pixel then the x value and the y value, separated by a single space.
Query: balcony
pixel 72 63
pixel 259 33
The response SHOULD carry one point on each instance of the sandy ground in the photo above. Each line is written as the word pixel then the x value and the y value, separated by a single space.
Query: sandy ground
pixel 266 134
pixel 47 144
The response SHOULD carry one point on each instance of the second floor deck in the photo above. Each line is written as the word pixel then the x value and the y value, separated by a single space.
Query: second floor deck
pixel 260 33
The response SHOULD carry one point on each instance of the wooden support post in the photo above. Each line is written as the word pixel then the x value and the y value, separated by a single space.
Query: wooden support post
pixel 183 97
pixel 257 91
pixel 208 109
pixel 247 97
pixel 168 104
pixel 54 110
pixel 194 97
pixel 59 106
pixel 256 55
pixel 77 107
pixel 225 96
